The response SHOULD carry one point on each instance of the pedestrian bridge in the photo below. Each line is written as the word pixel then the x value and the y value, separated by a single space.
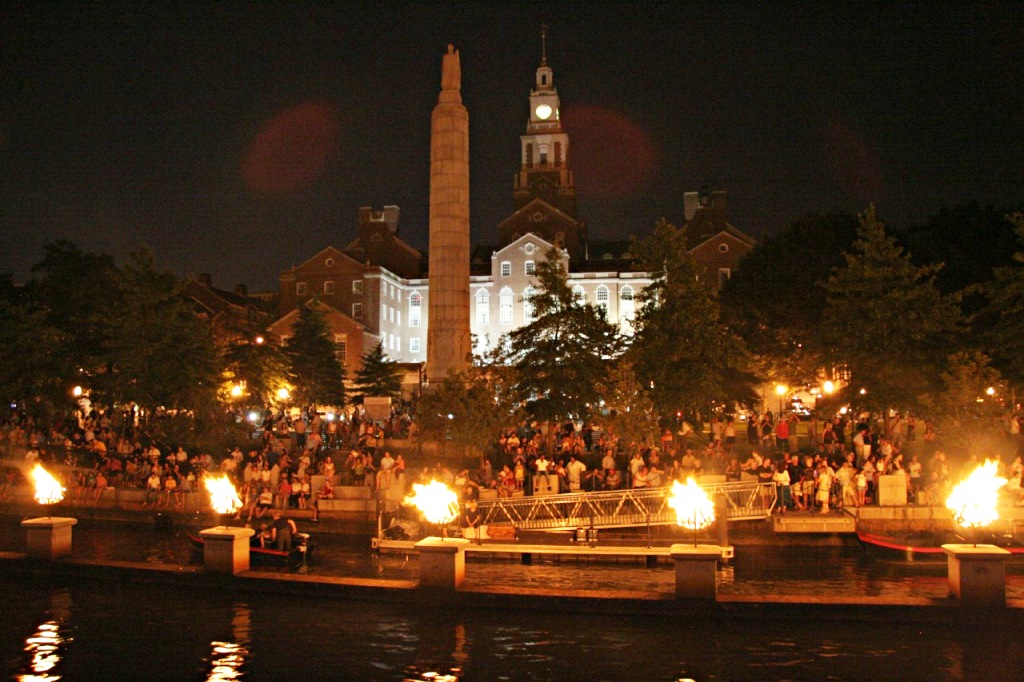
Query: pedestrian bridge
pixel 742 501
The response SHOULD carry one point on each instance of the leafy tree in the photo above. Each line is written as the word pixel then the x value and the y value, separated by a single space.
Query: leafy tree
pixel 969 239
pixel 33 367
pixel 79 290
pixel 886 323
pixel 776 298
pixel 467 409
pixel 261 366
pixel 1003 317
pixel 379 376
pixel 682 353
pixel 161 353
pixel 561 358
pixel 315 371
pixel 633 416
pixel 968 407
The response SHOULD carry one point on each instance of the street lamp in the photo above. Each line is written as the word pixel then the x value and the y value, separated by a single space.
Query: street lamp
pixel 828 387
pixel 781 390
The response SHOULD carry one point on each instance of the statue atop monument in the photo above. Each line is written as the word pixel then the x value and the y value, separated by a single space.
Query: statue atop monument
pixel 451 70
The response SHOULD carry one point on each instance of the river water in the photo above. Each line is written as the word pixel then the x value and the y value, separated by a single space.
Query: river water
pixel 139 631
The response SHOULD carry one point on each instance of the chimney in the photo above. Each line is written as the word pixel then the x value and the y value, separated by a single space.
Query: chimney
pixel 691 202
pixel 242 290
pixel 391 218
pixel 718 200
pixel 205 279
pixel 365 214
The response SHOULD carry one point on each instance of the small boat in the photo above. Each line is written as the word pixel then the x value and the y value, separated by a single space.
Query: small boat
pixel 302 548
pixel 920 546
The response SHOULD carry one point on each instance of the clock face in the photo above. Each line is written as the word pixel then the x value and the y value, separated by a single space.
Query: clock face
pixel 543 112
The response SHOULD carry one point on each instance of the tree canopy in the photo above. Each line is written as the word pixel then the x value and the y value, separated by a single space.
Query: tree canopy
pixel 316 373
pixel 886 324
pixel 562 356
pixel 379 376
pixel 682 353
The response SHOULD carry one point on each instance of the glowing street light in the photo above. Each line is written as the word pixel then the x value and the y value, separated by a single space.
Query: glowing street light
pixel 828 387
pixel 781 390
pixel 236 391
pixel 283 393
pixel 990 390
pixel 77 391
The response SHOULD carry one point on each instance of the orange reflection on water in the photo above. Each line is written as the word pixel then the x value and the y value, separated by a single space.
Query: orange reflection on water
pixel 44 647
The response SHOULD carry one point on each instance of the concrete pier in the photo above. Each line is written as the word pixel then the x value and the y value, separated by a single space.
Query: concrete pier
pixel 977 575
pixel 226 550
pixel 442 562
pixel 48 537
pixel 696 571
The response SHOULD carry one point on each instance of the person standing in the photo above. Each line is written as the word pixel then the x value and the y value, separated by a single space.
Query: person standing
pixel 281 532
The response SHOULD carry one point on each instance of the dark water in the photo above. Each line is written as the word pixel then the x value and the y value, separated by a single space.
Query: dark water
pixel 135 631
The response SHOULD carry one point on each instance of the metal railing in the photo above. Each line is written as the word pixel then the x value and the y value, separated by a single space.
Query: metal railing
pixel 622 508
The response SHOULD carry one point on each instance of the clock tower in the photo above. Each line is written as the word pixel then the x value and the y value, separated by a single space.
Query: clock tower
pixel 543 190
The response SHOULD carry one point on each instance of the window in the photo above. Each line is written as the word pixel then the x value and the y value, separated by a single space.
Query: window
pixel 383 313
pixel 415 305
pixel 723 276
pixel 329 262
pixel 391 315
pixel 483 307
pixel 531 268
pixel 579 294
pixel 398 295
pixel 328 288
pixel 506 269
pixel 398 317
pixel 723 248
pixel 357 286
pixel 528 307
pixel 300 288
pixel 398 344
pixel 357 311
pixel 341 347
pixel 627 307
pixel 505 306
pixel 602 299
pixel 414 345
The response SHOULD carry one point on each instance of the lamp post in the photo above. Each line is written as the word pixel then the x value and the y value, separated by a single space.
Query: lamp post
pixel 781 390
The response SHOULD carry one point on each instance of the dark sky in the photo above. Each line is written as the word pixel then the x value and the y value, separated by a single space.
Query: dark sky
pixel 239 139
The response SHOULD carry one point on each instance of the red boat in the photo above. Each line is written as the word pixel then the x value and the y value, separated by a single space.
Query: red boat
pixel 265 556
pixel 929 545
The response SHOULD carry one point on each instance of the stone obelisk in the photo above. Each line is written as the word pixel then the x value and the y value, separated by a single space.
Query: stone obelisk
pixel 448 340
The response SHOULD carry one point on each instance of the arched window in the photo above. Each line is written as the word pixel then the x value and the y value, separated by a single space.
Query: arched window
pixel 505 306
pixel 528 307
pixel 579 294
pixel 415 308
pixel 483 307
pixel 601 299
pixel 627 307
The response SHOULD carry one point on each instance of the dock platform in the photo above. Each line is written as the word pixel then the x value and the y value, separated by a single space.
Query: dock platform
pixel 807 522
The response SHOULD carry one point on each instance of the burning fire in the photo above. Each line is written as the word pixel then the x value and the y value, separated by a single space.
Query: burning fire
pixel 48 489
pixel 973 501
pixel 436 501
pixel 223 497
pixel 694 509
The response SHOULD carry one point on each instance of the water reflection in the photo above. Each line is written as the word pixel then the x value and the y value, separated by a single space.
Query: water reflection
pixel 443 648
pixel 44 647
pixel 227 659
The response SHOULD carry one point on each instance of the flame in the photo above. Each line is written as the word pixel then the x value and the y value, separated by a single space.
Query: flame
pixel 694 509
pixel 973 501
pixel 223 497
pixel 437 502
pixel 48 489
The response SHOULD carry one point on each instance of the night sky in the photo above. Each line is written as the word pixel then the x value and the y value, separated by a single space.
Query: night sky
pixel 239 139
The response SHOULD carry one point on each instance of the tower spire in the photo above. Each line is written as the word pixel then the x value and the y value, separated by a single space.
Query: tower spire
pixel 543 44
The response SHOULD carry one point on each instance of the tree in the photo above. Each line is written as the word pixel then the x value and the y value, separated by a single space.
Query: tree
pixel 34 370
pixel 886 323
pixel 78 290
pixel 682 353
pixel 632 414
pixel 467 409
pixel 1003 317
pixel 967 408
pixel 314 369
pixel 161 353
pixel 379 376
pixel 561 357
pixel 776 298
pixel 262 367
